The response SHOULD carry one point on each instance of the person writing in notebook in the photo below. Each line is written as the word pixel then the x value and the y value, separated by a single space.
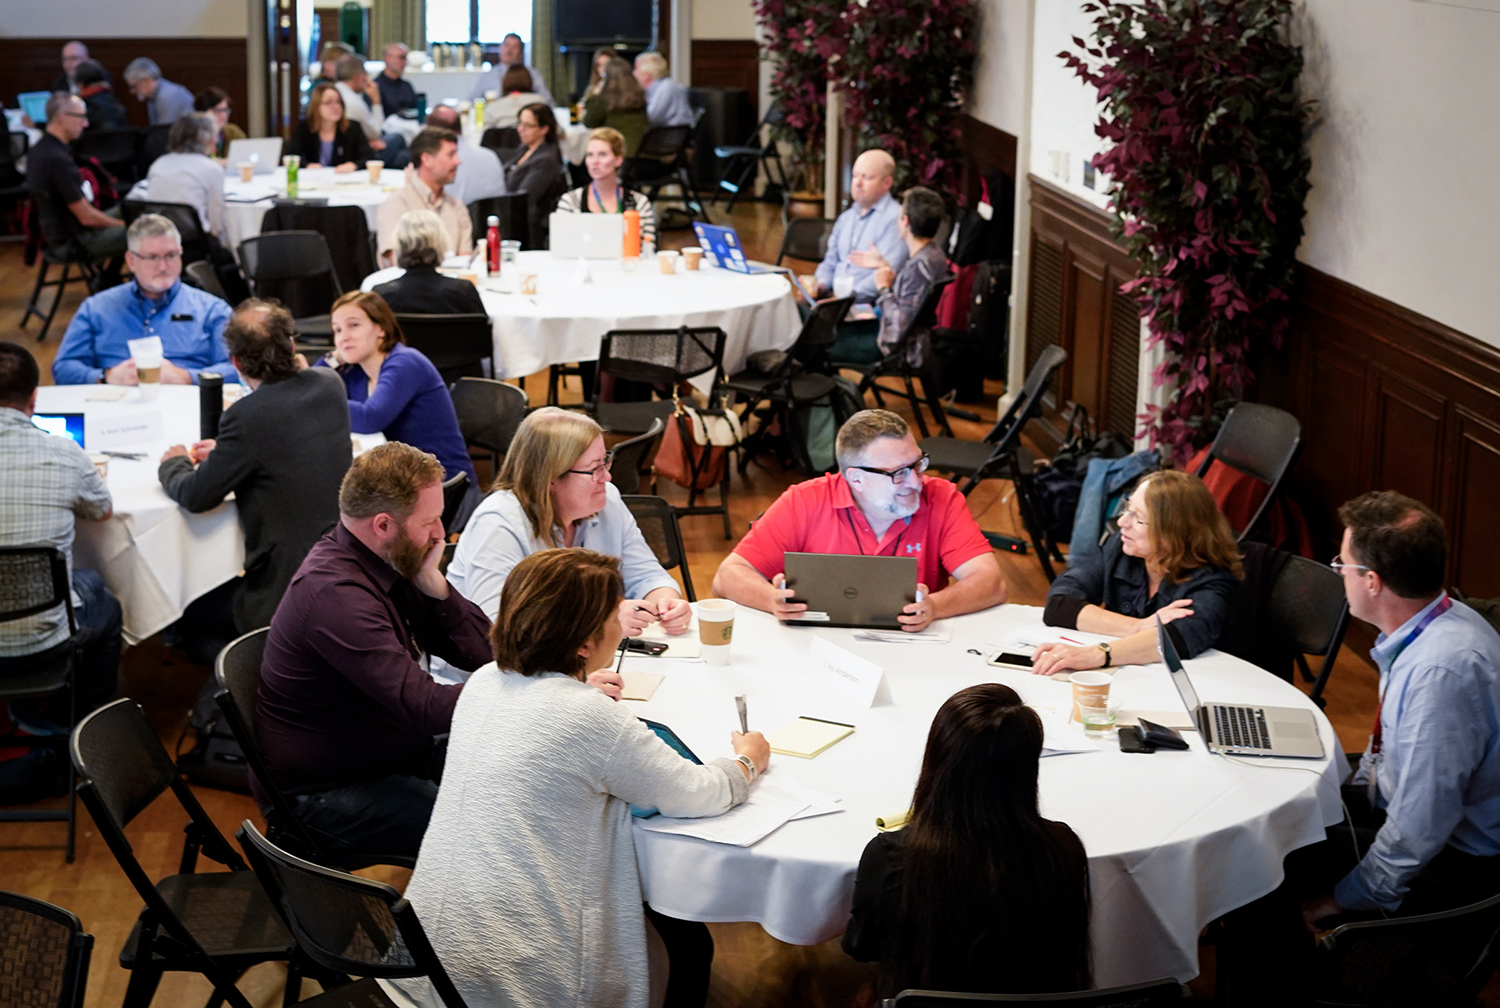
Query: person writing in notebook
pixel 877 504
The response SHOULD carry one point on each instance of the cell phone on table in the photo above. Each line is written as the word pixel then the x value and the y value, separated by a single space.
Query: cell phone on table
pixel 1010 659
pixel 653 648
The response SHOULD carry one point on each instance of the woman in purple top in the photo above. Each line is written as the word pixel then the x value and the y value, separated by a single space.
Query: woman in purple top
pixel 393 389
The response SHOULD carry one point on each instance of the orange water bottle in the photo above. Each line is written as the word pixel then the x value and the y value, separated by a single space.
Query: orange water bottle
pixel 632 245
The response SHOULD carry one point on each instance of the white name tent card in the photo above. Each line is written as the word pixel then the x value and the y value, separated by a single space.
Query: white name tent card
pixel 841 671
pixel 121 430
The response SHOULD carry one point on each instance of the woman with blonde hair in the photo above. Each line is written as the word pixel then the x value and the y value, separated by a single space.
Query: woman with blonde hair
pixel 1174 558
pixel 603 158
pixel 554 490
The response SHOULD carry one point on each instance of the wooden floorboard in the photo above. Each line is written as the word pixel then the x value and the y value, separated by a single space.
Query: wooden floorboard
pixel 751 969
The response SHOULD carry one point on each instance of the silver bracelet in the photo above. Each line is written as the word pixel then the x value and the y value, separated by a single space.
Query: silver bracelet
pixel 749 765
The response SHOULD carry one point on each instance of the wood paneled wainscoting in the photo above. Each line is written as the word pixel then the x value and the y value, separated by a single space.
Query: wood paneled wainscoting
pixel 31 64
pixel 1391 400
pixel 1074 300
pixel 730 63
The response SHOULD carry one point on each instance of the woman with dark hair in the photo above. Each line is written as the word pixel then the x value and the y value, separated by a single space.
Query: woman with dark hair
pixel 215 101
pixel 393 389
pixel 602 57
pixel 527 881
pixel 105 110
pixel 1174 558
pixel 619 104
pixel 537 168
pixel 326 136
pixel 515 94
pixel 978 893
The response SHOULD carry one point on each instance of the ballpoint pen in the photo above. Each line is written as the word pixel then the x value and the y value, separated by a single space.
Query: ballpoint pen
pixel 133 456
pixel 739 703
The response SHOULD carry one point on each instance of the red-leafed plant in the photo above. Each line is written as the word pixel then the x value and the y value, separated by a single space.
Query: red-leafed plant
pixel 1210 172
pixel 905 68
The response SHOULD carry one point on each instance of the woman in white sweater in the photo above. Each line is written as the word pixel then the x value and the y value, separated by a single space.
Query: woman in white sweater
pixel 527 881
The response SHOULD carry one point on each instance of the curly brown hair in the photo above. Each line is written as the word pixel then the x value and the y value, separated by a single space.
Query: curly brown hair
pixel 1187 526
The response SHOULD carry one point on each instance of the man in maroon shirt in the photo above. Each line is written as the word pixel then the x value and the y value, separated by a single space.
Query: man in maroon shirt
pixel 348 714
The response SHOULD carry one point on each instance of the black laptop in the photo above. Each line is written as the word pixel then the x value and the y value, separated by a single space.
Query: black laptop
pixel 850 590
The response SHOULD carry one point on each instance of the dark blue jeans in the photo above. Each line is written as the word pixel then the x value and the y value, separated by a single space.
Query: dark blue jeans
pixel 386 815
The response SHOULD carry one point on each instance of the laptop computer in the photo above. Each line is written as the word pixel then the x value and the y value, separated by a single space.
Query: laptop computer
pixel 34 104
pixel 68 425
pixel 263 152
pixel 723 248
pixel 587 235
pixel 849 590
pixel 1242 730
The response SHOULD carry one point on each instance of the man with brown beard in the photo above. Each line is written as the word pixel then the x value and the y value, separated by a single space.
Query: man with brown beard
pixel 348 715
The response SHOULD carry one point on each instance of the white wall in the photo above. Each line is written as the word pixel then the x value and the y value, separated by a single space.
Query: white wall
pixel 999 95
pixel 1063 106
pixel 1404 158
pixel 135 19
pixel 722 19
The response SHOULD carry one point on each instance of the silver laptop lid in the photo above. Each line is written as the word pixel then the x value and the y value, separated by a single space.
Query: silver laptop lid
pixel 1179 674
pixel 263 152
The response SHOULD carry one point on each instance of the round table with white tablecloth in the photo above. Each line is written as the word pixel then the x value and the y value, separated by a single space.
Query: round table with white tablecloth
pixel 1175 839
pixel 566 318
pixel 155 556
pixel 246 203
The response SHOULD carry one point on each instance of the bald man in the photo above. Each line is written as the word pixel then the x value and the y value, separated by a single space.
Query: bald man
pixel 869 225
pixel 396 93
pixel 73 53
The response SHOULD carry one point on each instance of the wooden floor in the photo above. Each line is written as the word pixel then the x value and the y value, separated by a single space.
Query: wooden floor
pixel 751 968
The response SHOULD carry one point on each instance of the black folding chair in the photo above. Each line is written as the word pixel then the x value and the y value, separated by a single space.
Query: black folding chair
pixel 1260 441
pixel 195 245
pixel 203 276
pixel 118 150
pixel 347 925
pixel 489 411
pixel 1432 959
pixel 514 213
pixel 743 162
pixel 45 952
pixel 1000 455
pixel 34 580
pixel 1309 611
pixel 237 673
pixel 898 364
pixel 345 229
pixel 658 523
pixel 1165 993
pixel 805 238
pixel 501 139
pixel 296 268
pixel 458 344
pixel 218 924
pixel 662 160
pixel 456 491
pixel 660 357
pixel 628 459
pixel 68 252
pixel 153 146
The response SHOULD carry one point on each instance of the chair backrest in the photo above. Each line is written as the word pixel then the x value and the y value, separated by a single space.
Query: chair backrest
pixel 629 457
pixel 154 144
pixel 1164 993
pixel 806 238
pixel 499 138
pixel 343 922
pixel 286 255
pixel 1431 959
pixel 456 344
pixel 34 579
pixel 111 147
pixel 1028 405
pixel 489 411
pixel 1308 606
pixel 925 317
pixel 67 226
pixel 661 356
pixel 664 143
pixel 657 520
pixel 1260 441
pixel 45 953
pixel 454 489
pixel 819 332
pixel 514 213
pixel 346 229
pixel 201 274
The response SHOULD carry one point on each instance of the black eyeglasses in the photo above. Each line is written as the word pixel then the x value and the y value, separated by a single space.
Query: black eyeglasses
pixel 599 473
pixel 897 475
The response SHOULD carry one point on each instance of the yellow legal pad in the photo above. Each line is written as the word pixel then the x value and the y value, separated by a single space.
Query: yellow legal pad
pixel 806 737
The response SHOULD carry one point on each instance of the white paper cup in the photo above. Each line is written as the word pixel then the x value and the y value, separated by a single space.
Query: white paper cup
pixel 667 260
pixel 374 167
pixel 148 374
pixel 101 463
pixel 715 629
pixel 1091 688
pixel 247 170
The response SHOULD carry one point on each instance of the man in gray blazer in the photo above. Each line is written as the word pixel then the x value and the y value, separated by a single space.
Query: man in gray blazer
pixel 282 451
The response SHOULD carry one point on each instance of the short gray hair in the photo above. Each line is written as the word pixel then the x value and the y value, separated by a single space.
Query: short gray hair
pixel 420 239
pixel 653 63
pixel 348 68
pixel 60 100
pixel 142 68
pixel 863 429
pixel 151 226
pixel 193 133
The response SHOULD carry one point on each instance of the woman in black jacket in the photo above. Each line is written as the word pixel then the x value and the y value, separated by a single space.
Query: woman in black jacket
pixel 537 168
pixel 104 109
pixel 326 136
pixel 422 290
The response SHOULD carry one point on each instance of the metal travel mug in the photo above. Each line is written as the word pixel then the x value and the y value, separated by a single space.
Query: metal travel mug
pixel 210 403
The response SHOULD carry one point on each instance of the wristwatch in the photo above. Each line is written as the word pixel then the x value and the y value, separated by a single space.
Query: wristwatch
pixel 1107 656
pixel 749 765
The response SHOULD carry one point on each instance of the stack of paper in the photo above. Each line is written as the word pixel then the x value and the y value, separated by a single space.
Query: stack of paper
pixel 1060 736
pixel 806 737
pixel 640 685
pixel 902 637
pixel 767 810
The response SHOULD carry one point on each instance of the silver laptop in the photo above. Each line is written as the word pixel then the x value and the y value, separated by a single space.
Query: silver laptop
pixel 849 590
pixel 587 235
pixel 264 153
pixel 1242 730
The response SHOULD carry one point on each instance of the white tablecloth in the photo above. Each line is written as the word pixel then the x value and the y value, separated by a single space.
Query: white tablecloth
pixel 565 320
pixel 352 189
pixel 154 556
pixel 1175 839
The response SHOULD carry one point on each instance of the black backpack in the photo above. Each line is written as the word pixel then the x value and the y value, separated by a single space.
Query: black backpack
pixel 216 758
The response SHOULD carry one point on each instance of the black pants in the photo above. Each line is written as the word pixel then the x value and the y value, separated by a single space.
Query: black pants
pixel 690 953
pixel 1266 955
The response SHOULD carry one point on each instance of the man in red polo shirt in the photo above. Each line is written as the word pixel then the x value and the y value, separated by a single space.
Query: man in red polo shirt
pixel 877 504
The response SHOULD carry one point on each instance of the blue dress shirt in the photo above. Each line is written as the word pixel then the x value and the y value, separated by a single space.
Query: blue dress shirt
pixel 857 228
pixel 667 104
pixel 410 404
pixel 189 321
pixel 169 103
pixel 1439 766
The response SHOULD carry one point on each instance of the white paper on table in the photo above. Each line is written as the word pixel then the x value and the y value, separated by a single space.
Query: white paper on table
pixel 106 393
pixel 1061 736
pixel 819 802
pixel 902 637
pixel 684 645
pixel 839 670
pixel 121 430
pixel 1054 635
pixel 766 810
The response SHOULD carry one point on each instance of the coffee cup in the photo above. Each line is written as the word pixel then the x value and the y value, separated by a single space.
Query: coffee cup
pixel 373 167
pixel 1089 689
pixel 247 170
pixel 148 374
pixel 715 629
pixel 101 464
pixel 667 260
pixel 528 283
pixel 691 257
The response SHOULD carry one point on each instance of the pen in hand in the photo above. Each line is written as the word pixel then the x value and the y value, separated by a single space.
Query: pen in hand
pixel 739 703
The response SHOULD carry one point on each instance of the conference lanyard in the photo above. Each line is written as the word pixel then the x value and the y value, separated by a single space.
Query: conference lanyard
pixel 895 546
pixel 619 198
pixel 1437 610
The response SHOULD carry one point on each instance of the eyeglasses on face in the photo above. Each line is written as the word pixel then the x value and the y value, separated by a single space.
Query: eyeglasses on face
pixel 1338 565
pixel 599 473
pixel 165 257
pixel 897 475
pixel 1134 519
